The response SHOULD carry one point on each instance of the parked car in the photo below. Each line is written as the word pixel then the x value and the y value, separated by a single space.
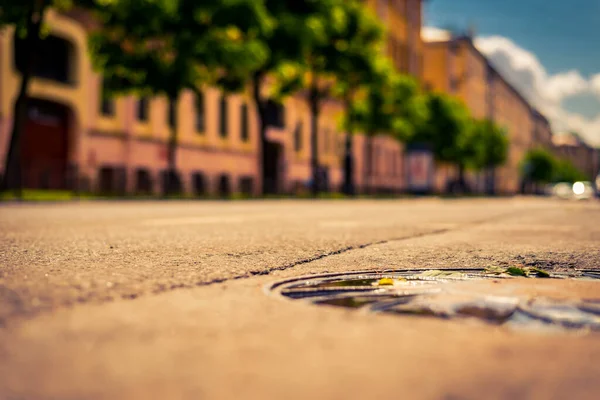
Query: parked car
pixel 583 190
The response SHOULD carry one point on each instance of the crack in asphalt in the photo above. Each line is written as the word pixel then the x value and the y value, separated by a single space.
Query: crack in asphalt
pixel 22 310
pixel 355 247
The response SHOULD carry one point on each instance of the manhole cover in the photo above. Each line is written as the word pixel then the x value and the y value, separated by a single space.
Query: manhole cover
pixel 502 296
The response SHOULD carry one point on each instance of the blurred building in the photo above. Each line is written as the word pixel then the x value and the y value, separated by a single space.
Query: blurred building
pixel 571 147
pixel 403 21
pixel 75 136
pixel 542 132
pixel 457 67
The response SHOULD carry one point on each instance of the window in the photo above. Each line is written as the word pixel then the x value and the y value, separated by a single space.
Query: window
pixel 54 59
pixel 142 109
pixel 247 185
pixel 112 180
pixel 200 184
pixel 171 182
pixel 143 181
pixel 275 114
pixel 107 106
pixel 200 112
pixel 223 117
pixel 298 136
pixel 244 121
pixel 224 186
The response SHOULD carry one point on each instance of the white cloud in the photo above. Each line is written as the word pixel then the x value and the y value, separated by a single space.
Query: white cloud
pixel 433 34
pixel 568 84
pixel 596 84
pixel 546 92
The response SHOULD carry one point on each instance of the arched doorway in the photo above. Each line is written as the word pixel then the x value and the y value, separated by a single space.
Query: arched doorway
pixel 45 146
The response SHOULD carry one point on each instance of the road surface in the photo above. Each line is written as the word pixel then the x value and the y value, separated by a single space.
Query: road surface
pixel 157 300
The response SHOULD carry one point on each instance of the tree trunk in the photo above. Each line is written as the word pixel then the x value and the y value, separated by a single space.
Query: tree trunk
pixel 12 171
pixel 490 181
pixel 348 185
pixel 262 129
pixel 172 148
pixel 314 139
pixel 369 161
pixel 462 185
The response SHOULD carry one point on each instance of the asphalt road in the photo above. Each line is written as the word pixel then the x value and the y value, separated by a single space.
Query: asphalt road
pixel 167 300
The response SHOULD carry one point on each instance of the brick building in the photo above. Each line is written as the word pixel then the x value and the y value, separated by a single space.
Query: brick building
pixel 583 156
pixel 74 137
pixel 457 67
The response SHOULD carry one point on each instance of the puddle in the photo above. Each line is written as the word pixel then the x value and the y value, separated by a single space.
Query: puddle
pixel 496 296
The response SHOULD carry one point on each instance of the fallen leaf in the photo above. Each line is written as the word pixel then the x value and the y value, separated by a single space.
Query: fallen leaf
pixel 540 273
pixel 516 271
pixel 385 282
pixel 495 270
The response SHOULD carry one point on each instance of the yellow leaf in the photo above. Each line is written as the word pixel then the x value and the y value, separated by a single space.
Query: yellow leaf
pixel 385 282
pixel 233 33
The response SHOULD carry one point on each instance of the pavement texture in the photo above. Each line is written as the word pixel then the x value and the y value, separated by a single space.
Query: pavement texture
pixel 160 300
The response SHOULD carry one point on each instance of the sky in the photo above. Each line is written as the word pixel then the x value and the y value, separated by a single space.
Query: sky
pixel 548 49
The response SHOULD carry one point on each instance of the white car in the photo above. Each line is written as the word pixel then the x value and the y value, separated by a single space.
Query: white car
pixel 563 190
pixel 583 190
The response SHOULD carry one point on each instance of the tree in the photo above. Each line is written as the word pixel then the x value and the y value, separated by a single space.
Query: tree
pixel 484 146
pixel 565 171
pixel 27 16
pixel 538 166
pixel 445 130
pixel 491 145
pixel 163 47
pixel 297 25
pixel 312 41
pixel 363 78
pixel 343 23
pixel 392 106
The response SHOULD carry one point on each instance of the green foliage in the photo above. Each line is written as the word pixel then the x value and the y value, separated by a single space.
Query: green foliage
pixel 447 121
pixel 166 46
pixel 517 270
pixel 331 45
pixel 392 105
pixel 297 26
pixel 489 145
pixel 19 13
pixel 346 53
pixel 354 54
pixel 565 171
pixel 538 165
pixel 541 166
pixel 409 107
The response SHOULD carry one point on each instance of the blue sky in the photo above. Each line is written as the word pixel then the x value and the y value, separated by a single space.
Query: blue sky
pixel 548 48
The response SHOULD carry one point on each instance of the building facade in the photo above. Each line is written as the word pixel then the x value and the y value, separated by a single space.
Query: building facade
pixel 76 137
pixel 456 67
pixel 583 156
pixel 402 20
pixel 542 134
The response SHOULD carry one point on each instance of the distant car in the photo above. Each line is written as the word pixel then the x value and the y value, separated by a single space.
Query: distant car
pixel 583 190
pixel 563 190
